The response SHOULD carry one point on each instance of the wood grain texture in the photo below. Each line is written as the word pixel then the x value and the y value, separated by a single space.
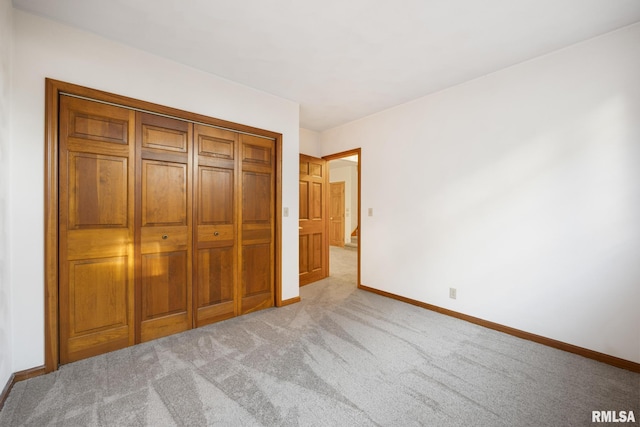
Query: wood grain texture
pixel 289 301
pixel 51 356
pixel 93 131
pixel 549 342
pixel 98 194
pixel 164 226
pixel 215 195
pixel 313 262
pixel 58 87
pixel 96 263
pixel 215 273
pixel 216 218
pixel 164 193
pixel 257 198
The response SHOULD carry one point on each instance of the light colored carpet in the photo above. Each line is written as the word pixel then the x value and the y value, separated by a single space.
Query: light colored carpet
pixel 341 357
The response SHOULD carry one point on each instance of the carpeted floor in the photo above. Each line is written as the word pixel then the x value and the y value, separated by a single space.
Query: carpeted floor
pixel 341 357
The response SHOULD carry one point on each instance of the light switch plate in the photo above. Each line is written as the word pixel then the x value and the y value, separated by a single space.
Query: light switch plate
pixel 285 211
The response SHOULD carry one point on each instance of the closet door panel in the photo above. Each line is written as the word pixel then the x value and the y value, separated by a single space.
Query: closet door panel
pixel 98 190
pixel 256 273
pixel 164 193
pixel 91 121
pixel 165 227
pixel 215 196
pixel 216 262
pixel 216 235
pixel 257 230
pixel 96 234
pixel 156 135
pixel 216 294
pixel 256 198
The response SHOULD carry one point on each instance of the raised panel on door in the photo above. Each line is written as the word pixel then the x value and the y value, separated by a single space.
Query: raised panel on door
pixel 257 275
pixel 313 244
pixel 216 260
pixel 303 253
pixel 98 319
pixel 97 191
pixel 316 201
pixel 96 122
pixel 91 282
pixel 96 234
pixel 164 278
pixel 215 195
pixel 216 292
pixel 258 223
pixel 256 198
pixel 164 193
pixel 164 285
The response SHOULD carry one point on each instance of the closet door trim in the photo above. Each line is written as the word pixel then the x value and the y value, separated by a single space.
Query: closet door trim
pixel 54 89
pixel 179 117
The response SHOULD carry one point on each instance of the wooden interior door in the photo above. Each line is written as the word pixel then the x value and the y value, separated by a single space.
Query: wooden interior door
pixel 215 242
pixel 336 214
pixel 164 225
pixel 96 228
pixel 257 232
pixel 314 248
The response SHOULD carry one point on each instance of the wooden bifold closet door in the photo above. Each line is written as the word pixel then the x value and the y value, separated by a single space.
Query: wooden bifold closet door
pixel 96 228
pixel 216 259
pixel 164 225
pixel 257 234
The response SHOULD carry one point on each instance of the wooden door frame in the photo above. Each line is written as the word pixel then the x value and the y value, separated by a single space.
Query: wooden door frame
pixel 336 156
pixel 53 90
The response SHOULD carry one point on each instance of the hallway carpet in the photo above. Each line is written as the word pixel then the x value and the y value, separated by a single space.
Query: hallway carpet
pixel 341 357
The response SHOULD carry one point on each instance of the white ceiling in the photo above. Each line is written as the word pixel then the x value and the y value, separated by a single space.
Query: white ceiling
pixel 344 59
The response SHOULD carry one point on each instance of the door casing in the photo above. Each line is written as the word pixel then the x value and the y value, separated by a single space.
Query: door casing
pixel 340 155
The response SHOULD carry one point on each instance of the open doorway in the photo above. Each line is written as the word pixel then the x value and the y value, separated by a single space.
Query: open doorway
pixel 344 232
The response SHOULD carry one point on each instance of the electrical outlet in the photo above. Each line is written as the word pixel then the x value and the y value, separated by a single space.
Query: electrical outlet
pixel 452 293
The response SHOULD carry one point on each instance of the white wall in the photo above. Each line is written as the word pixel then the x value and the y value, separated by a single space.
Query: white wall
pixel 43 48
pixel 309 142
pixel 5 134
pixel 521 189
